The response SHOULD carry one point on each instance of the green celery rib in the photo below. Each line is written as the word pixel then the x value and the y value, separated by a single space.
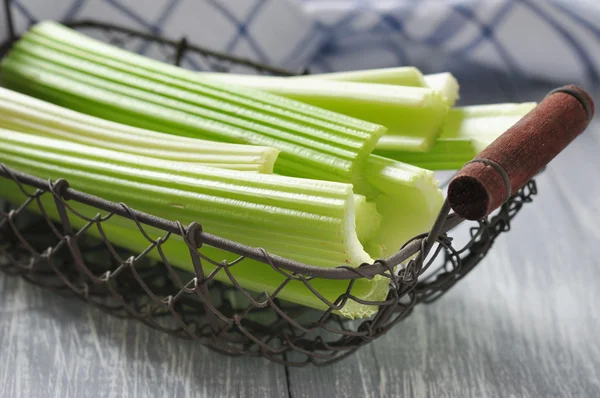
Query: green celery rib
pixel 206 193
pixel 26 114
pixel 252 275
pixel 109 55
pixel 468 131
pixel 19 151
pixel 409 76
pixel 445 82
pixel 308 136
pixel 398 76
pixel 408 198
pixel 413 114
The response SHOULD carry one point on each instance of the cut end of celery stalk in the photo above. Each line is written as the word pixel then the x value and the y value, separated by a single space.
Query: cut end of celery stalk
pixel 416 129
pixel 368 220
pixel 446 84
pixel 408 199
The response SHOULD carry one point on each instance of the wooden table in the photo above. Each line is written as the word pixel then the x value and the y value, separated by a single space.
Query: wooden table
pixel 525 323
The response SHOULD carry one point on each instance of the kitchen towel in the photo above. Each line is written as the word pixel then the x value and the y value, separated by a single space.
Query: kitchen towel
pixel 556 40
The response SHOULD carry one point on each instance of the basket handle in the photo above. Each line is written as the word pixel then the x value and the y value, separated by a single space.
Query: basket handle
pixel 506 165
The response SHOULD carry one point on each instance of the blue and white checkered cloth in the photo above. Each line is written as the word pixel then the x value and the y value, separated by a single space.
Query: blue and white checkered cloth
pixel 557 40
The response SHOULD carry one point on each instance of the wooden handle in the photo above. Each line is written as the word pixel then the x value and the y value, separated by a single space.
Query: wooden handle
pixel 515 157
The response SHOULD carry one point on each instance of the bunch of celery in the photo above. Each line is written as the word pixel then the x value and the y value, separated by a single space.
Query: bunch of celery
pixel 65 67
pixel 29 115
pixel 360 207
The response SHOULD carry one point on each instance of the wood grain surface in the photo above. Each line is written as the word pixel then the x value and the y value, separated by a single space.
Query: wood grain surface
pixel 525 323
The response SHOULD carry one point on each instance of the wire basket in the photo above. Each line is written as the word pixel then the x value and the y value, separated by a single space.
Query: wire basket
pixel 222 316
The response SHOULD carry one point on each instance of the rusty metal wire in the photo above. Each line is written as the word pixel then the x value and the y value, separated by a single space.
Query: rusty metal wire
pixel 86 263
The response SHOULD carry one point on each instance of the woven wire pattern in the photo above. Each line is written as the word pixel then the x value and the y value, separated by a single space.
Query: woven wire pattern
pixel 225 317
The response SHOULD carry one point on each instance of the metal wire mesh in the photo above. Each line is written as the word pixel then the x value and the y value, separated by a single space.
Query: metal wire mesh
pixel 46 241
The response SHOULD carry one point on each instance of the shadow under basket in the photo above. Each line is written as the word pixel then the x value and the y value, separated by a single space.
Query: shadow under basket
pixel 225 317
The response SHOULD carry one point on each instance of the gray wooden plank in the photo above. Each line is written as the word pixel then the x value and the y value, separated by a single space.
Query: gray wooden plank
pixel 55 347
pixel 524 323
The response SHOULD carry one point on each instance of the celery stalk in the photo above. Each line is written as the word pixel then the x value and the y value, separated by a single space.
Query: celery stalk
pixel 468 131
pixel 444 83
pixel 398 76
pixel 412 115
pixel 252 275
pixel 26 114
